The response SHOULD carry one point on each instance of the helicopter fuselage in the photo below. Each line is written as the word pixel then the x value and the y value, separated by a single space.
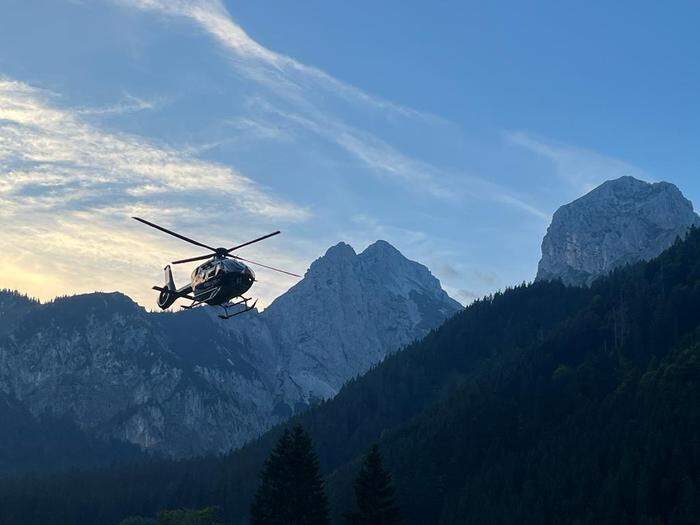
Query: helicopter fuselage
pixel 216 282
pixel 220 280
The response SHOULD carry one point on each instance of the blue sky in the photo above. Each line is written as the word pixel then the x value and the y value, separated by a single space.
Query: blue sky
pixel 451 129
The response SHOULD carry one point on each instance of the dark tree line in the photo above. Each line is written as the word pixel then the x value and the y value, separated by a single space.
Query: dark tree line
pixel 292 492
pixel 541 404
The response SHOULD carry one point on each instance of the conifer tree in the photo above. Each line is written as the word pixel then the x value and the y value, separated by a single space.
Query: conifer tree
pixel 374 493
pixel 291 490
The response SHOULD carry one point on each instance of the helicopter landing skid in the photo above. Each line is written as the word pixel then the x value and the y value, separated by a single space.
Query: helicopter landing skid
pixel 244 300
pixel 190 306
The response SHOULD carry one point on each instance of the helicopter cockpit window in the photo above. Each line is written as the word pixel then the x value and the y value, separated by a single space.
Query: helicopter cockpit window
pixel 233 266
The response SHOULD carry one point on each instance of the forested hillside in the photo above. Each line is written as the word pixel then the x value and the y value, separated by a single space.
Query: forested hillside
pixel 49 443
pixel 542 404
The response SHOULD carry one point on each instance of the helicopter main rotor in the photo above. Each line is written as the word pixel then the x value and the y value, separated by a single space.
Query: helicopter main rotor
pixel 218 252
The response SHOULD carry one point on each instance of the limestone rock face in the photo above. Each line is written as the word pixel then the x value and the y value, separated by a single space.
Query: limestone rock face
pixel 185 383
pixel 349 312
pixel 621 221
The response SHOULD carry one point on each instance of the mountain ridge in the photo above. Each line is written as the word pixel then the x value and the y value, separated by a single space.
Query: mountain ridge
pixel 186 383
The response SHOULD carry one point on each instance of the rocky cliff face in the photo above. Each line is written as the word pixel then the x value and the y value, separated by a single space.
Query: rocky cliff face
pixel 187 383
pixel 348 313
pixel 621 221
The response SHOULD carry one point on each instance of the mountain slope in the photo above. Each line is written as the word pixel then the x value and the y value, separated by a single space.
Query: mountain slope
pixel 349 312
pixel 49 444
pixel 188 383
pixel 621 221
pixel 539 405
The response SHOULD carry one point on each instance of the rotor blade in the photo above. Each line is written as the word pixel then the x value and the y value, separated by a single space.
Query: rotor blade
pixel 200 258
pixel 254 240
pixel 174 234
pixel 264 266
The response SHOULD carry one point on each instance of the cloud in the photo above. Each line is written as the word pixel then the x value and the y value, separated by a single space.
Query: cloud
pixel 370 150
pixel 369 229
pixel 306 92
pixel 449 270
pixel 415 174
pixel 485 277
pixel 466 296
pixel 504 197
pixel 67 189
pixel 580 168
pixel 49 152
pixel 304 88
pixel 130 104
pixel 283 74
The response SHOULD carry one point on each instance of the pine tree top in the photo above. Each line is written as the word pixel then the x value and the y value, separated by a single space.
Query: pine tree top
pixel 374 493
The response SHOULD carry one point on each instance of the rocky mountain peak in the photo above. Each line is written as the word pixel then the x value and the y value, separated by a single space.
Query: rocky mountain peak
pixel 336 257
pixel 186 383
pixel 621 221
pixel 349 312
pixel 341 250
pixel 381 249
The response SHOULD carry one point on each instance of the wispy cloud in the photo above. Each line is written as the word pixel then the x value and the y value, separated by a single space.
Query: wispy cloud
pixel 373 152
pixel 50 152
pixel 68 187
pixel 416 175
pixel 306 90
pixel 281 73
pixel 130 104
pixel 580 168
pixel 505 197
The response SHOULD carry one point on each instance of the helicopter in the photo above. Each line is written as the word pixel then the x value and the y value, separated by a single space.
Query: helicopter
pixel 221 281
